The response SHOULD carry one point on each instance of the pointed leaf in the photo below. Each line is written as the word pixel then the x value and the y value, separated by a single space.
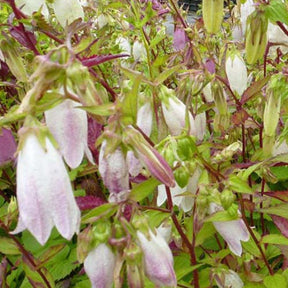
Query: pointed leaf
pixel 106 210
pixel 143 190
pixel 8 246
pixel 275 239
pixel 166 74
pixel 280 195
pixel 99 59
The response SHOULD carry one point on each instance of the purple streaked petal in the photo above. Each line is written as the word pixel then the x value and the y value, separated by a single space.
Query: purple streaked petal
pixel 7 146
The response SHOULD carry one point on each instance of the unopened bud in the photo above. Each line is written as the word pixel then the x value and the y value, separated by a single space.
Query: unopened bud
pixel 227 198
pixel 212 15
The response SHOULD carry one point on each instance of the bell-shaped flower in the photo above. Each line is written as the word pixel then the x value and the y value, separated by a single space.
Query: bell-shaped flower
pixel 280 148
pixel 200 123
pixel 113 169
pixel 44 192
pixel 233 232
pixel 158 259
pixel 174 112
pixel 184 202
pixel 7 146
pixel 69 126
pixel 228 279
pixel 124 45
pixel 236 72
pixel 99 266
pixel 67 16
pixel 179 39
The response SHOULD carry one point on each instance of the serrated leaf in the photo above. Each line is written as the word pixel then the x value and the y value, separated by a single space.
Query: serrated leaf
pixel 106 210
pixel 143 190
pixel 277 239
pixel 8 246
pixel 275 281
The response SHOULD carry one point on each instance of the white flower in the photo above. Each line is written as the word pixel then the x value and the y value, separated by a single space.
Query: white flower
pixel 44 192
pixel 236 72
pixel 280 148
pixel 30 6
pixel 184 202
pixel 233 232
pixel 124 45
pixel 67 11
pixel 158 259
pixel 246 9
pixel 229 279
pixel 200 123
pixel 175 116
pixel 139 51
pixel 99 266
pixel 69 126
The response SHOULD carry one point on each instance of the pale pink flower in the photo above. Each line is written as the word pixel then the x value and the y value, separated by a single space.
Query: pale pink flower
pixel 44 192
pixel 113 169
pixel 69 126
pixel 158 259
pixel 180 39
pixel 99 266
pixel 233 232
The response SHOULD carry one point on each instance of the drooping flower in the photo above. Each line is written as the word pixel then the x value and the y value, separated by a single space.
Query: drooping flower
pixel 44 192
pixel 158 259
pixel 69 126
pixel 99 266
pixel 138 51
pixel 7 146
pixel 246 9
pixel 233 232
pixel 236 71
pixel 175 116
pixel 183 202
pixel 229 279
pixel 113 169
pixel 179 39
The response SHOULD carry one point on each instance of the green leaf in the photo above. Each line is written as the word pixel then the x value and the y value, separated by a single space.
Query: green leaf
pixel 279 210
pixel 239 185
pixel 275 281
pixel 106 210
pixel 221 216
pixel 8 246
pixel 143 189
pixel 275 239
pixel 38 277
pixel 167 73
pixel 281 172
pixel 276 10
pixel 100 110
pixel 206 232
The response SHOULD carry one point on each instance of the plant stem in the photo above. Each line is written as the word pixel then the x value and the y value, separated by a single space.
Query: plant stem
pixel 253 236
pixel 183 237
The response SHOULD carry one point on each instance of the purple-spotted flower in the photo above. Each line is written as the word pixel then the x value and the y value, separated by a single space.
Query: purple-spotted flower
pixel 69 126
pixel 44 192
pixel 233 232
pixel 99 266
pixel 113 169
pixel 158 259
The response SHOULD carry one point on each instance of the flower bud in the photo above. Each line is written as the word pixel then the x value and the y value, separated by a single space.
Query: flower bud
pixel 236 72
pixel 212 15
pixel 256 36
pixel 7 146
pixel 227 198
pixel 113 169
pixel 149 156
pixel 99 266
pixel 158 259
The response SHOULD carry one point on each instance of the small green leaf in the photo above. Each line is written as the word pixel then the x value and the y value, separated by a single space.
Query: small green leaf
pixel 275 281
pixel 221 216
pixel 143 190
pixel 8 246
pixel 239 185
pixel 100 110
pixel 206 232
pixel 279 210
pixel 106 210
pixel 277 11
pixel 277 239
pixel 167 73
